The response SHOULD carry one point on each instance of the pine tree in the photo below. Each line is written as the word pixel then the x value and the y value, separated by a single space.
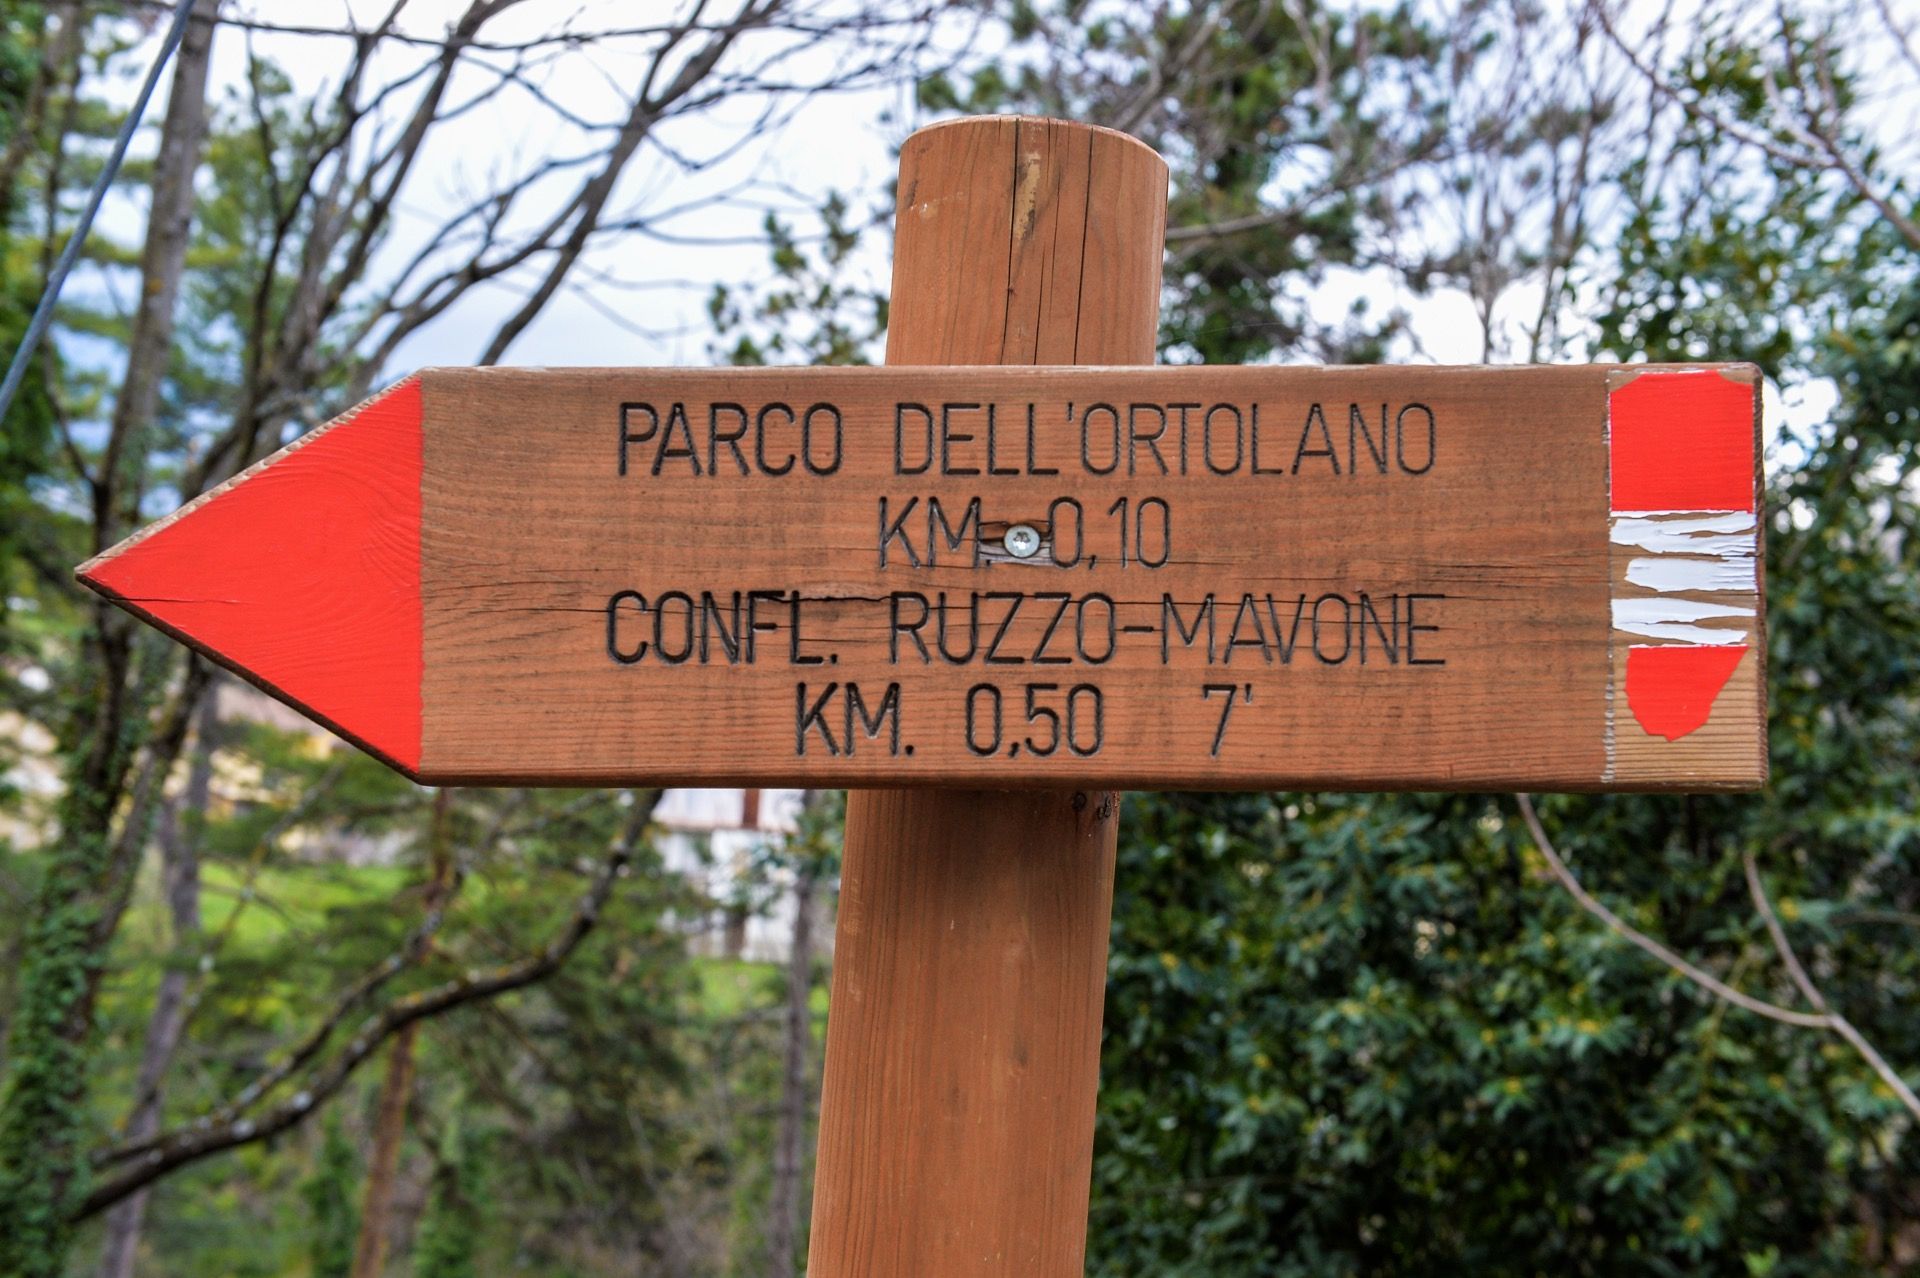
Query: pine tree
pixel 329 1192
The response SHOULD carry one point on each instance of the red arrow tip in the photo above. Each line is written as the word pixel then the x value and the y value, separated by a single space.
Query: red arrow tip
pixel 302 574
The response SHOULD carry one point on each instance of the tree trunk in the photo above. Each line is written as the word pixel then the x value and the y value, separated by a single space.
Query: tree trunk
pixel 49 1065
pixel 396 1089
pixel 58 49
pixel 180 835
pixel 389 1130
pixel 796 1096
pixel 162 261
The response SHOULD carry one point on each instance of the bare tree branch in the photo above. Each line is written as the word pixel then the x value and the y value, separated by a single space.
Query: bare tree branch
pixel 1693 107
pixel 1808 989
pixel 563 39
pixel 584 211
pixel 60 51
pixel 1820 146
pixel 1699 976
pixel 1841 1025
pixel 1827 135
pixel 1902 37
pixel 232 1126
pixel 1825 1019
pixel 412 950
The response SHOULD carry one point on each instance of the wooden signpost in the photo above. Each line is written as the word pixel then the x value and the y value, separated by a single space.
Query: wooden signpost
pixel 1226 577
pixel 978 581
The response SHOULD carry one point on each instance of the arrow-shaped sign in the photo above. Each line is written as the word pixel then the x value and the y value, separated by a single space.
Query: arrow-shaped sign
pixel 1215 577
pixel 302 574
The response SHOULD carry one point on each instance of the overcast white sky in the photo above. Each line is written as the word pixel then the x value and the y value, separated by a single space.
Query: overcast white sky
pixel 842 142
pixel 640 302
pixel 836 143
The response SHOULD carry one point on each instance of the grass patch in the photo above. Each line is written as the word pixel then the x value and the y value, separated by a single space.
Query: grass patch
pixel 726 989
pixel 295 900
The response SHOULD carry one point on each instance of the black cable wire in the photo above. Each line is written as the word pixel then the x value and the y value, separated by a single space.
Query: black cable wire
pixel 43 313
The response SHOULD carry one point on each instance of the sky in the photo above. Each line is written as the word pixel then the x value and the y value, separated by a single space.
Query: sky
pixel 842 142
pixel 641 301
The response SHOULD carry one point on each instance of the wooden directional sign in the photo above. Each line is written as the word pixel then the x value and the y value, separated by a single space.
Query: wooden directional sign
pixel 1143 577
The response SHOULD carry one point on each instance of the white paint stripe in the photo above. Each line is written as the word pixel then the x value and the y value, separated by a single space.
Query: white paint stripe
pixel 1655 647
pixel 1672 618
pixel 1720 521
pixel 1670 572
pixel 1708 535
pixel 1698 636
pixel 1675 610
pixel 1718 545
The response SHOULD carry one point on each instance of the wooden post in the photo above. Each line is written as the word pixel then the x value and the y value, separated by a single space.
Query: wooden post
pixel 963 1047
pixel 518 607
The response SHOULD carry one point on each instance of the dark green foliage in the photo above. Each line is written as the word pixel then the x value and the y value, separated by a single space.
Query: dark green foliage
pixel 26 444
pixel 43 1115
pixel 20 23
pixel 1368 1035
pixel 39 1180
pixel 330 1194
pixel 456 1209
pixel 27 432
pixel 1258 133
pixel 36 1095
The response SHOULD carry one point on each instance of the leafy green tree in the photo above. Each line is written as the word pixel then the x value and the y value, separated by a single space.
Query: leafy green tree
pixel 1373 1035
pixel 813 309
pixel 1289 129
pixel 457 1204
pixel 330 1193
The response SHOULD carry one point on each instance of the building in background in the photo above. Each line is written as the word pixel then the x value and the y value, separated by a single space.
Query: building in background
pixel 720 839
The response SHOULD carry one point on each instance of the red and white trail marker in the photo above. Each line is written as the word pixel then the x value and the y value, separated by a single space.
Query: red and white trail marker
pixel 1378 578
pixel 1686 533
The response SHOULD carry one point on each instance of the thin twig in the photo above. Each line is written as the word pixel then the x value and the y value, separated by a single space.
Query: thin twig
pixel 1825 1020
pixel 1697 975
pixel 1760 902
pixel 1841 1025
pixel 195 1140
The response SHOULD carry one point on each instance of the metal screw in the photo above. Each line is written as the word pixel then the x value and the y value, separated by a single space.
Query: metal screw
pixel 1022 541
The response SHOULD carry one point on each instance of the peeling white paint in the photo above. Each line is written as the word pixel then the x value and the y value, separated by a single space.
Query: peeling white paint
pixel 1694 534
pixel 1709 520
pixel 1668 573
pixel 1674 618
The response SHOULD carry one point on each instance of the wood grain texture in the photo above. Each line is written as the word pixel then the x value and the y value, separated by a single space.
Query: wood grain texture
pixel 1404 577
pixel 302 574
pixel 963 1047
pixel 1687 678
pixel 760 601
